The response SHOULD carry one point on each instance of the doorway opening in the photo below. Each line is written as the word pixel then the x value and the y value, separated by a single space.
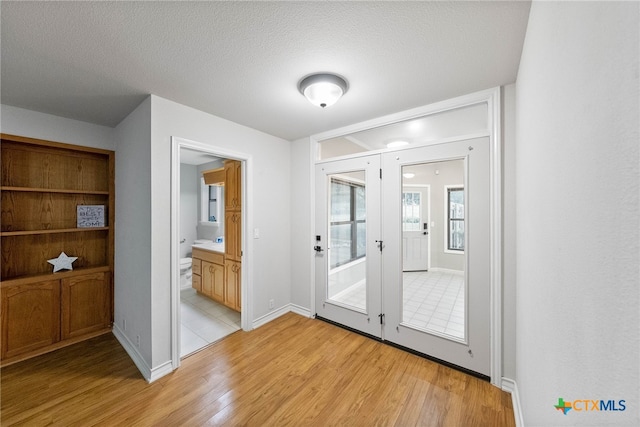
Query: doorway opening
pixel 209 280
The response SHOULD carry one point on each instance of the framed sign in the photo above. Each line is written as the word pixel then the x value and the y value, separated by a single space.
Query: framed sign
pixel 90 216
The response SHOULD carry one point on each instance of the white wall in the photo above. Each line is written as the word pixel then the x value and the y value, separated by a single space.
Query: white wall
pixel 301 242
pixel 270 205
pixel 133 299
pixel 18 121
pixel 189 213
pixel 577 212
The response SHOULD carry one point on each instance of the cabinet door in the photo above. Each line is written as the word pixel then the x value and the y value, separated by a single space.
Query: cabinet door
pixel 232 295
pixel 30 317
pixel 233 235
pixel 213 280
pixel 232 183
pixel 86 304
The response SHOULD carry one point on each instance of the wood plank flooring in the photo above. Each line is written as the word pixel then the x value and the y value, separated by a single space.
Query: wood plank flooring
pixel 293 371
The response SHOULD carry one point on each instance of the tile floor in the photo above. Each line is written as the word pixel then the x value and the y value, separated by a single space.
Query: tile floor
pixel 432 300
pixel 203 321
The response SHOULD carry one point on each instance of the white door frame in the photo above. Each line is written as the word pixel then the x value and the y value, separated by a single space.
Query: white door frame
pixel 491 98
pixel 246 276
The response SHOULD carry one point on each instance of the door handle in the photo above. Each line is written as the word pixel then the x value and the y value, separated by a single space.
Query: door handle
pixel 425 232
pixel 318 249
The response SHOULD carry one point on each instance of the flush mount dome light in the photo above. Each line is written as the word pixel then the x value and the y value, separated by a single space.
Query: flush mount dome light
pixel 323 90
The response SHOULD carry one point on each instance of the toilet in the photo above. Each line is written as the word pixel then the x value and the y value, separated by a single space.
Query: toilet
pixel 185 273
pixel 185 267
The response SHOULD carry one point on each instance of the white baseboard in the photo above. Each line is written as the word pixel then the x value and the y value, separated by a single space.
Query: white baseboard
pixel 133 353
pixel 272 315
pixel 160 371
pixel 262 320
pixel 302 311
pixel 510 386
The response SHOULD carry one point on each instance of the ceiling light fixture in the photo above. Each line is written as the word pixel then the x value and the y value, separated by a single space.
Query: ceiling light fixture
pixel 409 175
pixel 395 144
pixel 323 89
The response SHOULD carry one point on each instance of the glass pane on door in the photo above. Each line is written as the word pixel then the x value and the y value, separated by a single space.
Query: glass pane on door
pixel 347 240
pixel 433 299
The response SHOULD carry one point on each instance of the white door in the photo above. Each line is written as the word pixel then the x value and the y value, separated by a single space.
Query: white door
pixel 443 313
pixel 415 226
pixel 348 247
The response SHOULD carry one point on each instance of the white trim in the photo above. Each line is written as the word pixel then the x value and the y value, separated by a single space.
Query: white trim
pixel 492 98
pixel 246 285
pixel 510 386
pixel 438 107
pixel 160 371
pixel 272 315
pixel 302 311
pixel 133 352
pixel 495 198
pixel 474 135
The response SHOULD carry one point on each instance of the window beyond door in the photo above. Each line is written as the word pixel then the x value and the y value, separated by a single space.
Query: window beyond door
pixel 347 221
pixel 455 220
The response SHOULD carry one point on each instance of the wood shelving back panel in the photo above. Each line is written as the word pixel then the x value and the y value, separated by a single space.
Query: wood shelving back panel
pixel 26 211
pixel 53 168
pixel 28 255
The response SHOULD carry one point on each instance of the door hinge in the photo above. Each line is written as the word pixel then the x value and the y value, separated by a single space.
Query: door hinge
pixel 381 316
pixel 380 173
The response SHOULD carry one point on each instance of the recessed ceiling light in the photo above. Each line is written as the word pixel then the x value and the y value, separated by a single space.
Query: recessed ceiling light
pixel 395 144
pixel 324 89
pixel 409 175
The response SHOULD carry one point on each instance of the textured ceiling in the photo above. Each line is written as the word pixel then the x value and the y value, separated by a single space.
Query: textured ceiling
pixel 96 61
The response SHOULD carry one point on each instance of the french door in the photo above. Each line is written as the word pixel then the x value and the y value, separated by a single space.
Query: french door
pixel 444 312
pixel 348 243
pixel 362 281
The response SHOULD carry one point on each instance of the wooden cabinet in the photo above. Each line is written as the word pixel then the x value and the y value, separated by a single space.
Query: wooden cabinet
pixel 30 317
pixel 42 185
pixel 196 271
pixel 233 232
pixel 213 280
pixel 232 275
pixel 86 304
pixel 208 268
pixel 214 176
pixel 232 185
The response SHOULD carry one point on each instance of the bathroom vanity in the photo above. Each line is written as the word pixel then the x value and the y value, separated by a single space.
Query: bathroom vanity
pixel 216 267
pixel 209 275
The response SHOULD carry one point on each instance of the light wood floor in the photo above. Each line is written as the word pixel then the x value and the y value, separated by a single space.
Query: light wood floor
pixel 292 371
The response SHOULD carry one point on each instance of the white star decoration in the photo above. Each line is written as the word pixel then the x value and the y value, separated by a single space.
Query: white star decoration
pixel 63 262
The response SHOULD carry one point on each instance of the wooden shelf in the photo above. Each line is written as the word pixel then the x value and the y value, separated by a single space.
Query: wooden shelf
pixel 62 230
pixel 42 183
pixel 22 280
pixel 53 190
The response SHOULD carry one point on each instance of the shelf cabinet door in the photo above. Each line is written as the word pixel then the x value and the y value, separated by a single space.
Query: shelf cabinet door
pixel 86 304
pixel 232 294
pixel 232 184
pixel 213 280
pixel 233 235
pixel 30 317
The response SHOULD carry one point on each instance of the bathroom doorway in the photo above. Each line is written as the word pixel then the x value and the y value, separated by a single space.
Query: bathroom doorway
pixel 208 187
